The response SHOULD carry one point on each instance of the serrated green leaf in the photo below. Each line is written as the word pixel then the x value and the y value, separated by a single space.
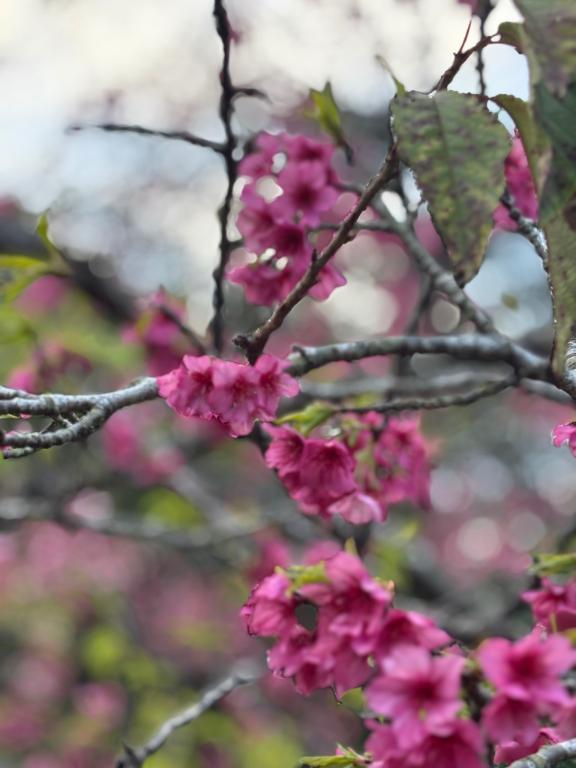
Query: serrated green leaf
pixel 533 137
pixel 456 148
pixel 327 114
pixel 557 117
pixel 550 26
pixel 514 34
pixel 550 564
pixel 562 278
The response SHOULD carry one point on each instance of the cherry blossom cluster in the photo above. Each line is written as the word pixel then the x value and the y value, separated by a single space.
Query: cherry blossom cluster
pixel 371 463
pixel 232 394
pixel 330 618
pixel 520 186
pixel 336 626
pixel 276 230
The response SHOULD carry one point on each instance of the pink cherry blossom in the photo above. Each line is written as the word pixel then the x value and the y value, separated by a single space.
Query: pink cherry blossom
pixel 306 191
pixel 264 283
pixel 269 611
pixel 186 388
pixel 273 383
pixel 416 690
pixel 233 394
pixel 565 433
pixel 553 605
pixel 286 450
pixel 528 670
pixel 507 719
pixel 256 221
pixel 520 185
pixel 457 742
pixel 408 628
pixel 353 603
pixel 259 163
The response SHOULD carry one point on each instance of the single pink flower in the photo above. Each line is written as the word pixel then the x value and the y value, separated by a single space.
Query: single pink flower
pixel 507 719
pixel 256 221
pixel 529 669
pixel 457 742
pixel 520 185
pixel 553 605
pixel 269 611
pixel 186 388
pixel 416 690
pixel 407 628
pixel 565 433
pixel 307 192
pixel 285 450
pixel 259 163
pixel 234 396
pixel 273 384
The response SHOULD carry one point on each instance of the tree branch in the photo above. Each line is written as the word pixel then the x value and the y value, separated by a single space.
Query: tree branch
pixel 438 400
pixel 185 136
pixel 136 757
pixel 18 510
pixel 67 425
pixel 488 348
pixel 442 280
pixel 254 343
pixel 548 756
pixel 226 112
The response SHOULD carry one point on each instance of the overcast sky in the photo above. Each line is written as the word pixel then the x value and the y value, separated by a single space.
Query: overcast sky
pixel 150 203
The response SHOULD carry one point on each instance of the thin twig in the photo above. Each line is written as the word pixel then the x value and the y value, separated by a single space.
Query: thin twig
pixel 185 136
pixel 460 57
pixel 254 343
pixel 526 227
pixel 442 280
pixel 226 113
pixel 441 400
pixel 136 757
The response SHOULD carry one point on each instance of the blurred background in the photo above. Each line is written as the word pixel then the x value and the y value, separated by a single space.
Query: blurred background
pixel 103 636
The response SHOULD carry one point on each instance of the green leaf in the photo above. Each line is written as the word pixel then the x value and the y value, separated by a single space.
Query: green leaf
pixel 348 759
pixel 309 418
pixel 456 148
pixel 301 575
pixel 551 27
pixel 17 272
pixel 327 114
pixel 557 117
pixel 550 565
pixel 400 87
pixel 533 138
pixel 562 278
pixel 42 230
